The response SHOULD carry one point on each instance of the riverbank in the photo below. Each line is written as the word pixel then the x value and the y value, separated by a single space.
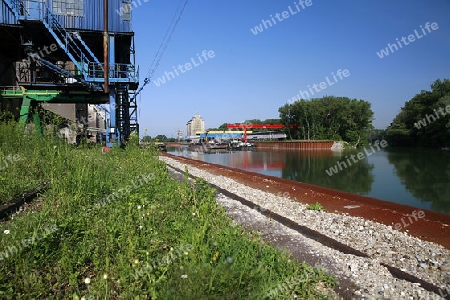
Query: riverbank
pixel 377 234
pixel 285 145
pixel 295 145
pixel 115 225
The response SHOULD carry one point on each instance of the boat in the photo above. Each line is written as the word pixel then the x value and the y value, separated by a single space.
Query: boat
pixel 239 145
pixel 161 146
pixel 208 147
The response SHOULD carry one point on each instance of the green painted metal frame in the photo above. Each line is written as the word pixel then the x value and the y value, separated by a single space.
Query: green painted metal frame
pixel 55 96
pixel 52 96
pixel 24 110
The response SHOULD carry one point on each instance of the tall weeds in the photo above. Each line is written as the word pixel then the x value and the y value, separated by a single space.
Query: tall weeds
pixel 116 225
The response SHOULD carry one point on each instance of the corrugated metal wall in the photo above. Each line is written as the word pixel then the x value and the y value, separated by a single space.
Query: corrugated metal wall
pixel 6 17
pixel 92 19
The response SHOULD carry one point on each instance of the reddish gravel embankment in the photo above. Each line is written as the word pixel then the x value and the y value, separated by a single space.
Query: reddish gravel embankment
pixel 432 227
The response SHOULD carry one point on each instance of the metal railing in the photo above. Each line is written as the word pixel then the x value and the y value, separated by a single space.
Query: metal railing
pixel 115 71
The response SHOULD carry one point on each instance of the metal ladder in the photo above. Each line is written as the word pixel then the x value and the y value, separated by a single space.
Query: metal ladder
pixel 71 42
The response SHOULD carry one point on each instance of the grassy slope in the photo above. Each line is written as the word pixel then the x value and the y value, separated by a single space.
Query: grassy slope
pixel 120 221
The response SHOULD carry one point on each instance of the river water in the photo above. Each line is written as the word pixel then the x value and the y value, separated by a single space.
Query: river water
pixel 416 177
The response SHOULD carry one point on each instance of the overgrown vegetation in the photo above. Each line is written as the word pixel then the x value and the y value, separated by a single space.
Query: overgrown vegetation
pixel 116 226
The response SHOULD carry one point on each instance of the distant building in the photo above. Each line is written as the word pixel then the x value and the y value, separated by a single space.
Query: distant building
pixel 179 135
pixel 195 124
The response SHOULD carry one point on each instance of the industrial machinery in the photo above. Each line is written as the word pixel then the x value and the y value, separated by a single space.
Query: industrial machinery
pixel 257 126
pixel 69 51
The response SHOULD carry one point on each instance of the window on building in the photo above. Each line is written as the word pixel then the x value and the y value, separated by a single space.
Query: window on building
pixel 68 7
pixel 126 11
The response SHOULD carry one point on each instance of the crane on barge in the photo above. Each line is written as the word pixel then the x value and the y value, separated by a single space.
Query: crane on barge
pixel 257 126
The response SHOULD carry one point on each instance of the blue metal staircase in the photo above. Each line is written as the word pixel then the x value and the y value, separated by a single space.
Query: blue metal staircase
pixel 75 48
pixel 89 67
pixel 89 70
pixel 56 69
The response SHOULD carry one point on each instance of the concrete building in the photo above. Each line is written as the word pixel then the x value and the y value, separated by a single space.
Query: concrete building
pixel 195 124
pixel 82 119
pixel 179 135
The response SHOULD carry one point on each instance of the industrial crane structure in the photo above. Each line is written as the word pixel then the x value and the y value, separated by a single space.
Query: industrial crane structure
pixel 257 126
pixel 69 51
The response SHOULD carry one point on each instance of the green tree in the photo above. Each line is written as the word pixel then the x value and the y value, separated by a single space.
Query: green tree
pixel 223 126
pixel 272 121
pixel 336 118
pixel 253 121
pixel 423 121
pixel 161 138
pixel 146 139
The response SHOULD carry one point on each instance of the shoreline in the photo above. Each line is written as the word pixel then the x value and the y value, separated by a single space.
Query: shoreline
pixel 434 227
pixel 384 249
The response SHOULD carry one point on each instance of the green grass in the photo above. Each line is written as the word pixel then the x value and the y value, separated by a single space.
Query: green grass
pixel 120 222
pixel 315 206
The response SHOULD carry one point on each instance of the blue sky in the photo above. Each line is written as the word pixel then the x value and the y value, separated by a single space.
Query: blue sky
pixel 251 76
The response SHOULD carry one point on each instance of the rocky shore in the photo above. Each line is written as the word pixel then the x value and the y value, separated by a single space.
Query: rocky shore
pixel 359 277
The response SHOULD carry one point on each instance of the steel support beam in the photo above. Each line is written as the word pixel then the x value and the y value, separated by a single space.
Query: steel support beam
pixel 24 110
pixel 111 130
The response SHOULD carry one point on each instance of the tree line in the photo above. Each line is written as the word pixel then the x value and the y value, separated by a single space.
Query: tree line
pixel 158 138
pixel 424 120
pixel 328 118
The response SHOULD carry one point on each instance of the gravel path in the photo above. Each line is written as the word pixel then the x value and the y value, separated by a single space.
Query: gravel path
pixel 363 277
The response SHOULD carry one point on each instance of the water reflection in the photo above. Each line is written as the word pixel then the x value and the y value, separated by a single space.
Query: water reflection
pixel 267 163
pixel 311 166
pixel 418 177
pixel 425 173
